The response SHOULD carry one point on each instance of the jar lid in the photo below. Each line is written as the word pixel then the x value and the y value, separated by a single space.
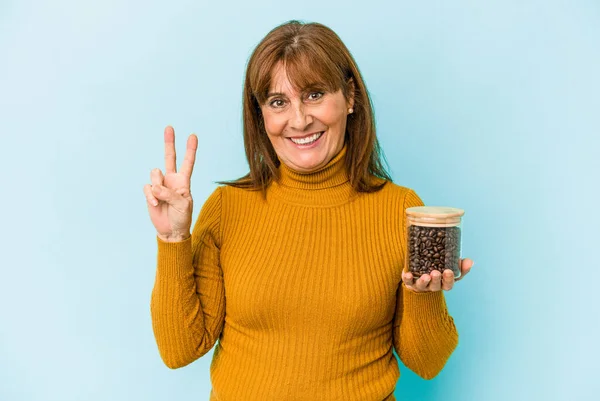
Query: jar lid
pixel 434 216
pixel 434 211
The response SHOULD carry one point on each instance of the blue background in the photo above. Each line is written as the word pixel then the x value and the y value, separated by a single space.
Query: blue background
pixel 492 107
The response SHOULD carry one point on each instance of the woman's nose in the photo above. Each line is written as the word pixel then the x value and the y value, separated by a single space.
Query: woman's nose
pixel 300 118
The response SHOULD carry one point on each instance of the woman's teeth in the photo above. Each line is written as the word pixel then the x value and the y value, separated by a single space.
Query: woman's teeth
pixel 307 140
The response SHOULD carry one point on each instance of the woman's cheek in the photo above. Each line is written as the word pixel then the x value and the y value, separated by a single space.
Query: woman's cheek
pixel 276 127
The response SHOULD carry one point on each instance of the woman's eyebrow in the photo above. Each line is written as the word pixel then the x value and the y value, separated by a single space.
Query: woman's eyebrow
pixel 308 88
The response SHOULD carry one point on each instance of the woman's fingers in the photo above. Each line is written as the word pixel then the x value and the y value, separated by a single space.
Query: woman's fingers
pixel 160 191
pixel 190 156
pixel 448 280
pixel 422 283
pixel 427 282
pixel 407 278
pixel 156 177
pixel 419 285
pixel 465 267
pixel 436 281
pixel 164 194
pixel 149 197
pixel 170 158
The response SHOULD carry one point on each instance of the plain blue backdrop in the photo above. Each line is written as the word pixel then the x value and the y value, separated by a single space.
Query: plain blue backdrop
pixel 492 107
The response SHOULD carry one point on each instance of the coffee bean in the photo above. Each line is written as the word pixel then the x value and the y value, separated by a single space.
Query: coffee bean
pixel 433 248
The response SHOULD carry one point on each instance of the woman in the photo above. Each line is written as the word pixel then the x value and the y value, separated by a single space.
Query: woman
pixel 296 267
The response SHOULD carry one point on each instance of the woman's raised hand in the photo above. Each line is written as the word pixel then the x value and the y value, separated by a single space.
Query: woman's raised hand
pixel 169 198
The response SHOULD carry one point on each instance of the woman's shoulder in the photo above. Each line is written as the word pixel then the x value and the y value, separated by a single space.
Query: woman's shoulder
pixel 238 191
pixel 395 190
pixel 407 195
pixel 236 198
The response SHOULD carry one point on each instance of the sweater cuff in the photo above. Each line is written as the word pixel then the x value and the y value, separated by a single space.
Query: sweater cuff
pixel 174 258
pixel 430 306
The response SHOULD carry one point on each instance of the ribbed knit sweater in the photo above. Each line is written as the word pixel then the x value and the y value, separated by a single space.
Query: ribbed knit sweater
pixel 302 290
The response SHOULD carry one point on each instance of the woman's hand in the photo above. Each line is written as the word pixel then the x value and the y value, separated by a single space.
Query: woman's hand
pixel 436 281
pixel 169 199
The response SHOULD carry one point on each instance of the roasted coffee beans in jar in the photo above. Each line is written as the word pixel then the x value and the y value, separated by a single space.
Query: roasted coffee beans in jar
pixel 433 237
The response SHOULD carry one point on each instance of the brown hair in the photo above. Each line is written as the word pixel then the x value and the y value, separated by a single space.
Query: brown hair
pixel 312 55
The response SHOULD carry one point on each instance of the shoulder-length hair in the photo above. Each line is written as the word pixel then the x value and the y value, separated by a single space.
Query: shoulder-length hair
pixel 313 55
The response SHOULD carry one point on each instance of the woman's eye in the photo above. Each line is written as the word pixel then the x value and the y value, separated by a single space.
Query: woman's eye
pixel 275 103
pixel 317 95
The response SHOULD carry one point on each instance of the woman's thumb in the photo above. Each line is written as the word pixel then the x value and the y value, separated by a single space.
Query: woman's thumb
pixel 163 193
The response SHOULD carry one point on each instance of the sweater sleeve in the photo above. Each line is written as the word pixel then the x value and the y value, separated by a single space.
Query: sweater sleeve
pixel 188 299
pixel 424 333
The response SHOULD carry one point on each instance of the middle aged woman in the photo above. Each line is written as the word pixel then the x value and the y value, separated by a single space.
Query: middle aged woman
pixel 296 268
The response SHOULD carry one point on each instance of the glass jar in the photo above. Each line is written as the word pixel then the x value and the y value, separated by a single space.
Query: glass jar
pixel 433 235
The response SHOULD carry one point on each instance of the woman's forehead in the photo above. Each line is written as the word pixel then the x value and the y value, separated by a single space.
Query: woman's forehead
pixel 280 82
pixel 284 83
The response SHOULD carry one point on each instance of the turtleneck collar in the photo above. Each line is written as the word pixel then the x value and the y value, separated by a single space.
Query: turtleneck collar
pixel 327 186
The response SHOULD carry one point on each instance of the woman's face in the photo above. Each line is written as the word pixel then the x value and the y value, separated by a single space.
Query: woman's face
pixel 291 116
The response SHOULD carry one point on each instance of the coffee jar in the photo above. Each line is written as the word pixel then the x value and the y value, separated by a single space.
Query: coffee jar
pixel 433 238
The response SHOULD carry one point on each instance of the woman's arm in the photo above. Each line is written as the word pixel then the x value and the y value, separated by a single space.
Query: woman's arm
pixel 188 298
pixel 424 333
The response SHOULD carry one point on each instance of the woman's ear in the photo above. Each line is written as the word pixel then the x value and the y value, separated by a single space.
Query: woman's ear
pixel 351 91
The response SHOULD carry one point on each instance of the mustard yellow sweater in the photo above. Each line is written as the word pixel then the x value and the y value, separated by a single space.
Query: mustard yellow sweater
pixel 303 292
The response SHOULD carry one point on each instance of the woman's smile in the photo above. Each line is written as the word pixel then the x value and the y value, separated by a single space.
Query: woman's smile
pixel 307 142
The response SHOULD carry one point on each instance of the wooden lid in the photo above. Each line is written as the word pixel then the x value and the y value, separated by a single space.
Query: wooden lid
pixel 434 211
pixel 434 216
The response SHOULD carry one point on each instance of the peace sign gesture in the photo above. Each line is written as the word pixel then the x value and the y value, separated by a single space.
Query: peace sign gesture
pixel 169 199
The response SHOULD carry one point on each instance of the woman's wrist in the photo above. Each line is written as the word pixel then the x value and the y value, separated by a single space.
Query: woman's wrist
pixel 174 237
